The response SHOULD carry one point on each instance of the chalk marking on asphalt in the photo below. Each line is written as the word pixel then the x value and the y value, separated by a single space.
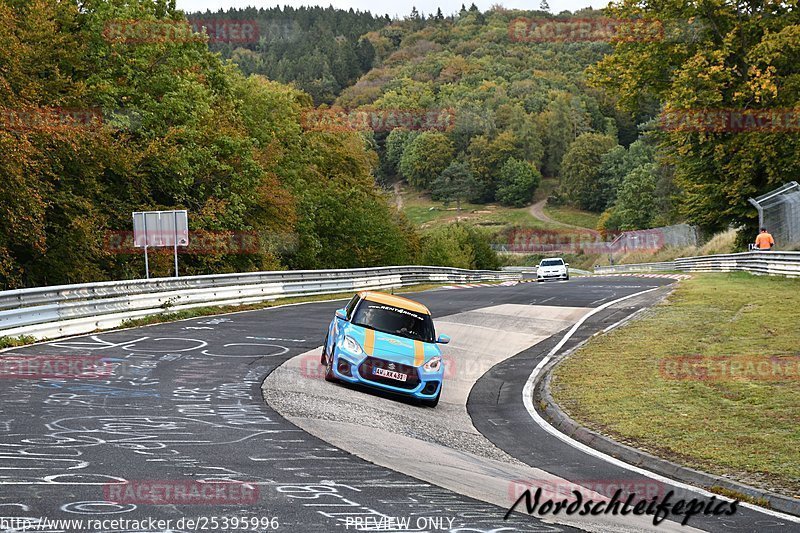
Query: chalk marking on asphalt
pixel 527 400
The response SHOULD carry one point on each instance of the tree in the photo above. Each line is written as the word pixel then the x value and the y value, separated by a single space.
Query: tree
pixel 581 182
pixel 636 200
pixel 181 128
pixel 485 257
pixel 517 183
pixel 395 144
pixel 458 245
pixel 562 122
pixel 425 158
pixel 731 56
pixel 456 183
pixel 448 246
pixel 617 163
pixel 487 156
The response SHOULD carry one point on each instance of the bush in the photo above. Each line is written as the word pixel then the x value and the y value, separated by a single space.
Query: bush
pixel 517 183
pixel 458 246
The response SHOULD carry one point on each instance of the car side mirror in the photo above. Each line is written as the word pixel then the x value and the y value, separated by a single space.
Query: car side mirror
pixel 566 264
pixel 443 339
pixel 341 314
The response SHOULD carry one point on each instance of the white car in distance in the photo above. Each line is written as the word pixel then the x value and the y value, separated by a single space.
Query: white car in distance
pixel 552 268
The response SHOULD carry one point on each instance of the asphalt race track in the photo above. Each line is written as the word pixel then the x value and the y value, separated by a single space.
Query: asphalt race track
pixel 184 405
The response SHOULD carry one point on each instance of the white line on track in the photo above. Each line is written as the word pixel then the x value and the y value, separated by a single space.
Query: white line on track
pixel 527 399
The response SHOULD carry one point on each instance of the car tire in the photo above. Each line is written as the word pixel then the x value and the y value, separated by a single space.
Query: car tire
pixel 566 278
pixel 329 376
pixel 434 401
pixel 324 358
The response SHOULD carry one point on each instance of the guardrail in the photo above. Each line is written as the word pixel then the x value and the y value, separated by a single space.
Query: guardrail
pixel 57 311
pixel 767 263
pixel 520 269
pixel 637 267
pixel 532 270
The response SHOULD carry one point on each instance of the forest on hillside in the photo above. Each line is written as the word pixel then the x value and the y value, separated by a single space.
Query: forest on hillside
pixel 96 124
pixel 521 110
pixel 591 112
pixel 109 107
pixel 319 50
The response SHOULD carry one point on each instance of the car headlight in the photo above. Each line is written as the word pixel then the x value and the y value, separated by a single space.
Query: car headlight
pixel 433 365
pixel 352 346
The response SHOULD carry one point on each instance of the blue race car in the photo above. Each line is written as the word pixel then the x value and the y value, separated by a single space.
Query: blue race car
pixel 387 342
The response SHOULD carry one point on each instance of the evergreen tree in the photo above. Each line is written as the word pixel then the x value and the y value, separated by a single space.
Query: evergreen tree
pixel 455 183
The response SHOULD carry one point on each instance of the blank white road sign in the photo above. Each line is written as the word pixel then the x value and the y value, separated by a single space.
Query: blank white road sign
pixel 160 228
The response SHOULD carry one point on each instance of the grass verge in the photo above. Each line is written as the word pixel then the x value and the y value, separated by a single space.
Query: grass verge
pixel 740 423
pixel 426 213
pixel 572 216
pixel 13 342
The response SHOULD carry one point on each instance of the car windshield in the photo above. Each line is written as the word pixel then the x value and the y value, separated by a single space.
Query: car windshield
pixel 394 320
pixel 552 263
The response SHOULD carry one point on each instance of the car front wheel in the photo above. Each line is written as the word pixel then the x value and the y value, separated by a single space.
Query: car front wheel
pixel 329 369
pixel 324 358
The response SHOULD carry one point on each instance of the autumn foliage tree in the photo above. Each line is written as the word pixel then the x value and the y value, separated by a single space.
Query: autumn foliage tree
pixel 171 125
pixel 739 56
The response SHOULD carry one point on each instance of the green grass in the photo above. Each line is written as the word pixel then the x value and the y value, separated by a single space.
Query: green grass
pixel 572 216
pixel 737 426
pixel 11 342
pixel 426 213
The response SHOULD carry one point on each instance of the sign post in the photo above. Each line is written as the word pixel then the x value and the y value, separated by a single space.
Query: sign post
pixel 160 229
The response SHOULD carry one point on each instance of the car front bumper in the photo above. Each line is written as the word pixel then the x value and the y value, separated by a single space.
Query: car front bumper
pixel 419 384
pixel 558 275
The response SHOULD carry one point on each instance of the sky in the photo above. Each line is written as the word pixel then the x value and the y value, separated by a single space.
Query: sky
pixel 394 8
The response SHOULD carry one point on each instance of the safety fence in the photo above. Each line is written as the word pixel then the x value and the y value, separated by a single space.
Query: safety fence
pixel 57 311
pixel 586 241
pixel 769 263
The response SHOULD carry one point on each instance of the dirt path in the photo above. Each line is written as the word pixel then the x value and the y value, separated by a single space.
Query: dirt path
pixel 398 195
pixel 537 211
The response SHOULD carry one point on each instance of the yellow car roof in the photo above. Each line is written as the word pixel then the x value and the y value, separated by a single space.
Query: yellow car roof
pixel 397 301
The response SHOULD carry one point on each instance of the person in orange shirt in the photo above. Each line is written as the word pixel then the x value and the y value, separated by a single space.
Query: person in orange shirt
pixel 764 241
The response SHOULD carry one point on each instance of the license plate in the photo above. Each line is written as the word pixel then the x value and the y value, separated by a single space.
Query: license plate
pixel 399 376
